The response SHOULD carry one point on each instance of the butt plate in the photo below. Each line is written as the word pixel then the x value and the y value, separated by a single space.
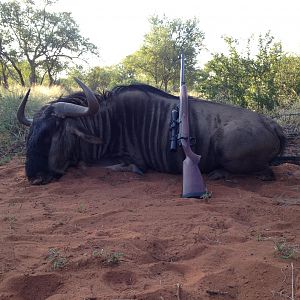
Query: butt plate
pixel 197 195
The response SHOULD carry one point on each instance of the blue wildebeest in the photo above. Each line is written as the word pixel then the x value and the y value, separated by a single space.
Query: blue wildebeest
pixel 130 125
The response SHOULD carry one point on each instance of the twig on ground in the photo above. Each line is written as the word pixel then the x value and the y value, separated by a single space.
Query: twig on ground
pixel 292 296
pixel 215 292
pixel 284 280
pixel 282 292
pixel 178 291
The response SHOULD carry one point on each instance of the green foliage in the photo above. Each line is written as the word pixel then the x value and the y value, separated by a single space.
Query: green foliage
pixel 260 81
pixel 285 250
pixel 11 221
pixel 108 258
pixel 106 78
pixel 47 41
pixel 100 78
pixel 156 62
pixel 56 259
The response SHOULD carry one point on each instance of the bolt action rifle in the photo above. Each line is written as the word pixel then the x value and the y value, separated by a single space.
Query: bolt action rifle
pixel 193 185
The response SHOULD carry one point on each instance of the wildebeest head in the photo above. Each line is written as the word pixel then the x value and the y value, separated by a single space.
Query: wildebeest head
pixel 53 134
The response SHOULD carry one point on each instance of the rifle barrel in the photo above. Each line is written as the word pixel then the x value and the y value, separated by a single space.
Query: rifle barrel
pixel 182 69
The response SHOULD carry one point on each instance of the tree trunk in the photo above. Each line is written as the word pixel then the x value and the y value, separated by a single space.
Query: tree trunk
pixel 49 73
pixel 19 72
pixel 32 77
pixel 51 80
pixel 166 86
pixel 43 77
pixel 22 82
pixel 4 78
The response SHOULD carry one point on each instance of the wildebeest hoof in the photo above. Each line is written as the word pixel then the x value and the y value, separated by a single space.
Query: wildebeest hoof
pixel 37 181
pixel 40 181
pixel 44 179
pixel 135 169
pixel 218 174
pixel 266 175
pixel 126 168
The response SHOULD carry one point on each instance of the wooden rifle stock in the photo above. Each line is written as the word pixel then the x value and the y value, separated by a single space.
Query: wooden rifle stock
pixel 193 185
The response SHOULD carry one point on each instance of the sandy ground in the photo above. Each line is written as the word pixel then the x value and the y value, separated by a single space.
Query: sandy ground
pixel 97 234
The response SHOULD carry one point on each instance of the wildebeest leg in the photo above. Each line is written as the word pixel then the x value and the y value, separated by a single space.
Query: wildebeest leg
pixel 126 168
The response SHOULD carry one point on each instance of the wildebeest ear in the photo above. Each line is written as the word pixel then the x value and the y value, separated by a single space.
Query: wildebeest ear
pixel 86 137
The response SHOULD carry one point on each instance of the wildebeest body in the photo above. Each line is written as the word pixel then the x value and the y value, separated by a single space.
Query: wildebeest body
pixel 133 123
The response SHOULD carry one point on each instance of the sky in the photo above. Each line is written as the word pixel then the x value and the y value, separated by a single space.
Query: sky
pixel 117 28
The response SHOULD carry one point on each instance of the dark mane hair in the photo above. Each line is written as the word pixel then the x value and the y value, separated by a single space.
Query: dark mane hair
pixel 140 87
pixel 79 98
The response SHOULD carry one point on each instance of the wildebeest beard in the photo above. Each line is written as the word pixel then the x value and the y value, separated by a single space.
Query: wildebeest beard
pixel 38 147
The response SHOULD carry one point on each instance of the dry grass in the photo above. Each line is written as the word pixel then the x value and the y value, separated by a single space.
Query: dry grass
pixel 12 134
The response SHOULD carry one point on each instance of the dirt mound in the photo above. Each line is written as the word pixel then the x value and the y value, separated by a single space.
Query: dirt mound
pixel 97 234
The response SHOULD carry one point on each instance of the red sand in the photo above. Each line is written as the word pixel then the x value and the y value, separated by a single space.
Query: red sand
pixel 223 248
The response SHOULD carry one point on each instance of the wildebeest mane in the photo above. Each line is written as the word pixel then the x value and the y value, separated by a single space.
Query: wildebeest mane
pixel 140 87
pixel 79 98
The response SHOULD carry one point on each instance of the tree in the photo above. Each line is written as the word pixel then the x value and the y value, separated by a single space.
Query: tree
pixel 99 78
pixel 9 57
pixel 47 41
pixel 264 89
pixel 3 74
pixel 225 77
pixel 157 61
pixel 244 78
pixel 288 80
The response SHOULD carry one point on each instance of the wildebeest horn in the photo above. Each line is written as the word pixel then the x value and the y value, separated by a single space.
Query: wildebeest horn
pixel 21 114
pixel 64 109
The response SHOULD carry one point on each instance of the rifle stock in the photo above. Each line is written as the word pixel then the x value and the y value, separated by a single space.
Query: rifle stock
pixel 193 185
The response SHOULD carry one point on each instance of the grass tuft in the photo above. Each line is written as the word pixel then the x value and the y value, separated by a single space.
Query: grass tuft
pixel 56 259
pixel 285 250
pixel 108 259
